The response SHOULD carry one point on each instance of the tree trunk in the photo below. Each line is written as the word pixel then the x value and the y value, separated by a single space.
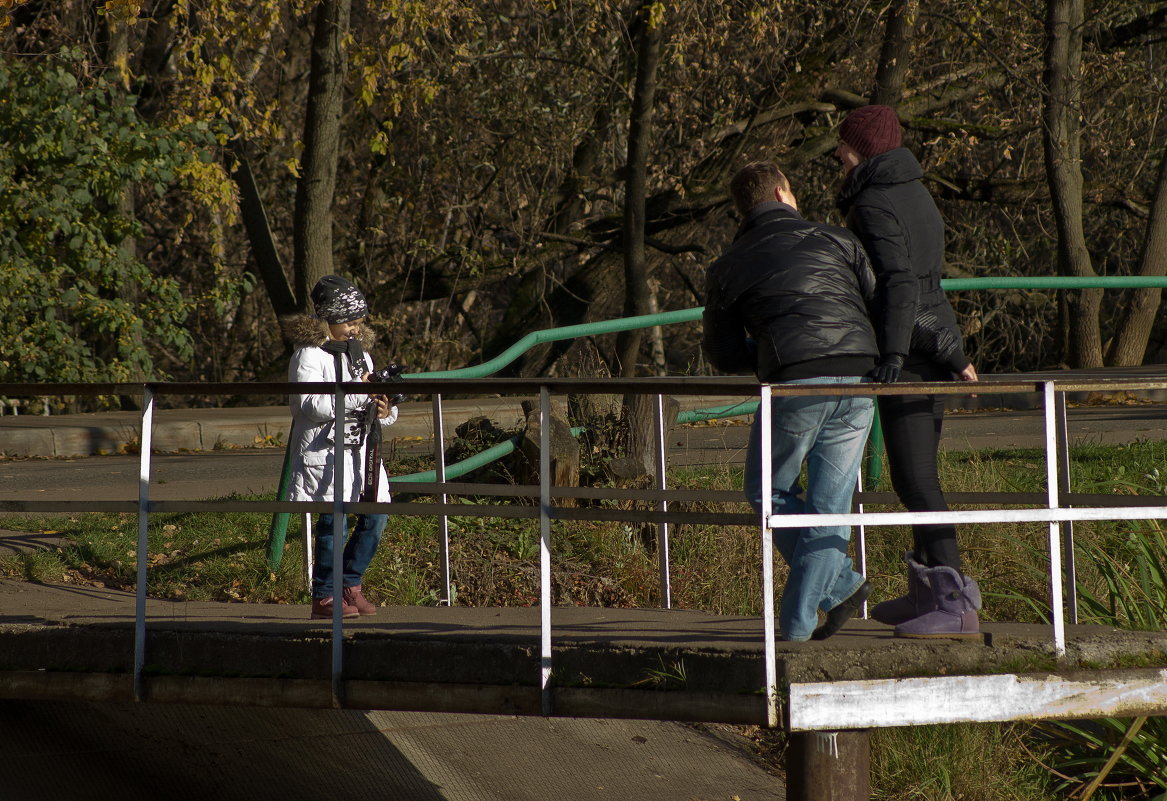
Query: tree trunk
pixel 316 189
pixel 259 235
pixel 895 52
pixel 1061 135
pixel 639 142
pixel 1130 342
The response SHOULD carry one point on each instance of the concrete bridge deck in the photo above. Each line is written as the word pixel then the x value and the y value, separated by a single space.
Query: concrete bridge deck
pixel 77 643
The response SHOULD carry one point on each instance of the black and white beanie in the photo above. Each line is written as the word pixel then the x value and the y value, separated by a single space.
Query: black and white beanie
pixel 336 300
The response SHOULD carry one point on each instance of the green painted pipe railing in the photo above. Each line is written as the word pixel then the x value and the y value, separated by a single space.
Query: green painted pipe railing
pixel 534 338
pixel 472 463
pixel 279 525
pixel 558 334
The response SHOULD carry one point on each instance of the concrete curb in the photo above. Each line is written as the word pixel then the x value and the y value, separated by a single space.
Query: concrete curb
pixel 183 430
pixel 190 430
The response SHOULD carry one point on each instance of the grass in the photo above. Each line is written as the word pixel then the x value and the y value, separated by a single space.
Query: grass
pixel 1122 570
pixel 965 762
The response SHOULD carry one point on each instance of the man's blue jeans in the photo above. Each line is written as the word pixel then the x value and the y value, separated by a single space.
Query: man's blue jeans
pixel 358 552
pixel 829 434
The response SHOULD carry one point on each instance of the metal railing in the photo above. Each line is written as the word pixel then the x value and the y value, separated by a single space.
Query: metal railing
pixel 279 523
pixel 1055 509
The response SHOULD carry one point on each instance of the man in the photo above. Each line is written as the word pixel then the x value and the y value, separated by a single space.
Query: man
pixel 789 300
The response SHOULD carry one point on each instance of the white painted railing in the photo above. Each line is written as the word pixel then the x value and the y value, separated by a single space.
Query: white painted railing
pixel 1052 514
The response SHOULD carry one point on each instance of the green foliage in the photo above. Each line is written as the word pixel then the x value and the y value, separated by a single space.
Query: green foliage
pixel 1123 758
pixel 75 302
pixel 1121 569
pixel 1132 569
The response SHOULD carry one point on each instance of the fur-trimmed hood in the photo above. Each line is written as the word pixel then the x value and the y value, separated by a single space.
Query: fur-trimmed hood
pixel 305 331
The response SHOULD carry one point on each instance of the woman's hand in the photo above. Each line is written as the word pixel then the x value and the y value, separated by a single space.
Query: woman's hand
pixel 968 374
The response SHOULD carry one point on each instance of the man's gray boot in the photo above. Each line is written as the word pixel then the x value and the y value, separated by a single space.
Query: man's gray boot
pixel 917 602
pixel 957 600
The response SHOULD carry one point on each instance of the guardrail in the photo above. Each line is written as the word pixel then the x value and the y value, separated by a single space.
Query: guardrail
pixel 279 523
pixel 1058 506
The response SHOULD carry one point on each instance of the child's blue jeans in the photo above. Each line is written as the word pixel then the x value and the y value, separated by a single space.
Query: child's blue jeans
pixel 358 552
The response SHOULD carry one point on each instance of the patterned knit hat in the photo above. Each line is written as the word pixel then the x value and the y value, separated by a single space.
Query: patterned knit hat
pixel 872 130
pixel 336 300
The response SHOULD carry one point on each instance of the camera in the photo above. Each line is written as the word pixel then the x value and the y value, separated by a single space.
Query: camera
pixel 390 373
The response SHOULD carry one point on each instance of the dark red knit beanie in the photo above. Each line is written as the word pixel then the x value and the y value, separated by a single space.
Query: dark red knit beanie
pixel 872 130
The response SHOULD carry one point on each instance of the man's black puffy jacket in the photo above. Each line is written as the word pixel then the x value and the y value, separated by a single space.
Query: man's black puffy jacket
pixel 800 289
pixel 892 213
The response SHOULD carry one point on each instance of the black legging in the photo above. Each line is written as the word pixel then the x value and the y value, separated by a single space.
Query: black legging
pixel 911 433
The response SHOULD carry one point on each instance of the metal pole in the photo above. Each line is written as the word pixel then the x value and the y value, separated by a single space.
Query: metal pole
pixel 875 449
pixel 765 423
pixel 143 541
pixel 339 528
pixel 443 519
pixel 862 544
pixel 662 533
pixel 545 547
pixel 1071 584
pixel 1057 613
pixel 309 548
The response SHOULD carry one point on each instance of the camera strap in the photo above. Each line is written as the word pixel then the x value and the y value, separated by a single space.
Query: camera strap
pixel 372 456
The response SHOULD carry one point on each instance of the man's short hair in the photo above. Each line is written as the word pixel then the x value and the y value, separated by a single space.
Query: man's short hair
pixel 755 183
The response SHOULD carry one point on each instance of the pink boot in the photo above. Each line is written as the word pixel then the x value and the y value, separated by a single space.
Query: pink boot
pixel 355 598
pixel 322 608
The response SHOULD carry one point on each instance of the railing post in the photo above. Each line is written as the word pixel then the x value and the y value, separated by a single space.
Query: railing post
pixel 662 533
pixel 339 528
pixel 861 546
pixel 1071 583
pixel 443 519
pixel 143 540
pixel 1057 613
pixel 765 410
pixel 545 548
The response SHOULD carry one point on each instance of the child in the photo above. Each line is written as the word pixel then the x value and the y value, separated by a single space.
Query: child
pixel 335 336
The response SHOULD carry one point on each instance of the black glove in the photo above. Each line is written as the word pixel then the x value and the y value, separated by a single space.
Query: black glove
pixel 888 369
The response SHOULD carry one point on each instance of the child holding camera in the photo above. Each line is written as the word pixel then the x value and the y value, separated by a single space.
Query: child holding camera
pixel 336 340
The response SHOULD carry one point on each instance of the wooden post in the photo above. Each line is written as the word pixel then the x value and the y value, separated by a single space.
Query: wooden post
pixel 564 452
pixel 829 766
pixel 639 465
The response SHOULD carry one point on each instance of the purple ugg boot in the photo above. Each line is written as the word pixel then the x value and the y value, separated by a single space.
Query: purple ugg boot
pixel 917 602
pixel 957 599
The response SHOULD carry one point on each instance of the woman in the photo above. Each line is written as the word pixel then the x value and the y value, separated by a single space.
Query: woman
pixel 888 208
